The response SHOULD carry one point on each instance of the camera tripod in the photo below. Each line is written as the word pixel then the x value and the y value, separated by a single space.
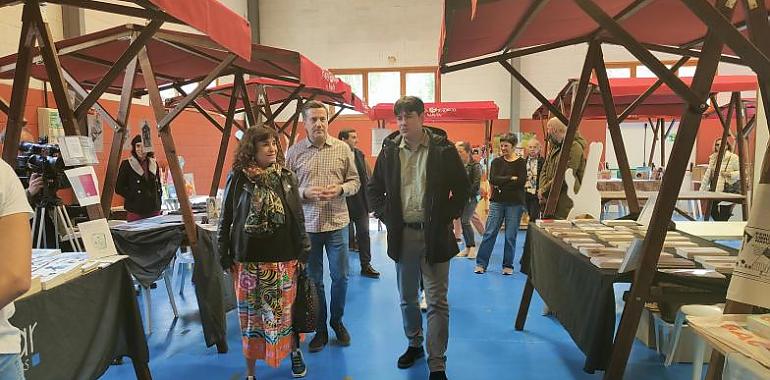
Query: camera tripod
pixel 51 205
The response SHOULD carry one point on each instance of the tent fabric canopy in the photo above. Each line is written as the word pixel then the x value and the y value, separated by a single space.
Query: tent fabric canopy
pixel 176 57
pixel 661 103
pixel 443 112
pixel 467 34
pixel 317 82
pixel 210 17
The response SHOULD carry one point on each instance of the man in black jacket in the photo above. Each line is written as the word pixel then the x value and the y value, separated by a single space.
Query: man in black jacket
pixel 418 188
pixel 358 208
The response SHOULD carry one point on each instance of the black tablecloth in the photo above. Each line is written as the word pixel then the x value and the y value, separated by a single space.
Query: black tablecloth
pixel 582 298
pixel 151 250
pixel 213 288
pixel 579 294
pixel 76 329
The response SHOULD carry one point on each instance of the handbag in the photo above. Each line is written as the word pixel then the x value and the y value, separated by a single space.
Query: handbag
pixel 734 188
pixel 305 308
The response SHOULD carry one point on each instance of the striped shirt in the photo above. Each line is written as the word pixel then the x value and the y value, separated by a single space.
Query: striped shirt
pixel 331 164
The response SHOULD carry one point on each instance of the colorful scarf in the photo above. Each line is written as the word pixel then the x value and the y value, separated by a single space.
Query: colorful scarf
pixel 266 214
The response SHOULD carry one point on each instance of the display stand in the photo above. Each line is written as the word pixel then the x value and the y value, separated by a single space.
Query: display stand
pixel 466 36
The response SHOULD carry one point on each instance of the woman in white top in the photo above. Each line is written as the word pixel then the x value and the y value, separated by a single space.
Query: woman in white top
pixel 15 268
pixel 728 179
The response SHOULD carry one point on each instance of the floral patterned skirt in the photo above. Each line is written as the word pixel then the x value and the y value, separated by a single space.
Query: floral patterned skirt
pixel 266 293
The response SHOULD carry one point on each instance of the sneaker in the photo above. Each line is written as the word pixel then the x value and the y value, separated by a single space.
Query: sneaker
pixel 463 253
pixel 410 356
pixel 298 367
pixel 319 341
pixel 423 303
pixel 507 271
pixel 438 375
pixel 471 252
pixel 343 337
pixel 479 269
pixel 251 378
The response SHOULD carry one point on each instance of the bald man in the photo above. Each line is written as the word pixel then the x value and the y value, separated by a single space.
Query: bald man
pixel 577 162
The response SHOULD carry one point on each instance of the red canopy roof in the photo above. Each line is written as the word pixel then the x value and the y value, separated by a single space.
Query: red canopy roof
pixel 443 112
pixel 278 91
pixel 176 57
pixel 466 34
pixel 662 103
pixel 209 17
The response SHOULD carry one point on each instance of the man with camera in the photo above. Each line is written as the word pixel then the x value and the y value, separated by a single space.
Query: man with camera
pixel 36 183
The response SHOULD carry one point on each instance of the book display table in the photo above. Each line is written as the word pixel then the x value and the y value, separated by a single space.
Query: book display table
pixel 76 329
pixel 151 245
pixel 581 296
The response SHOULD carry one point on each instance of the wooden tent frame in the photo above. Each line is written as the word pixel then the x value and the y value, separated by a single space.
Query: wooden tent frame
pixel 134 58
pixel 752 51
pixel 735 106
pixel 260 112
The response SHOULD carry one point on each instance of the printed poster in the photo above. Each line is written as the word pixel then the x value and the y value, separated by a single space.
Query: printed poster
pixel 750 282
pixel 85 185
pixel 97 238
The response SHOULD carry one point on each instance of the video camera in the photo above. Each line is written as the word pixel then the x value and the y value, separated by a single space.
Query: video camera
pixel 44 159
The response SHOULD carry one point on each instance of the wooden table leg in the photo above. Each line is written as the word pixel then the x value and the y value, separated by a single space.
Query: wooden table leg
pixel 526 298
pixel 141 370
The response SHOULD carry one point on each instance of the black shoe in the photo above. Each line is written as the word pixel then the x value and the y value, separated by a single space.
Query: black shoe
pixel 117 361
pixel 368 271
pixel 298 367
pixel 410 356
pixel 153 285
pixel 438 375
pixel 319 341
pixel 343 337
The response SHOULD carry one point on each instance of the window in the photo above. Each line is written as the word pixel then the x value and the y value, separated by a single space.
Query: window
pixel 356 82
pixel 638 70
pixel 386 85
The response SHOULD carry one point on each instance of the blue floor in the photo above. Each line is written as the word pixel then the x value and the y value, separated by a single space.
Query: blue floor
pixel 483 343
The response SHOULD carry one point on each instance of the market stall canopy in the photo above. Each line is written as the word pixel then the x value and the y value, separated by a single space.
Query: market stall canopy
pixel 314 82
pixel 209 17
pixel 661 103
pixel 473 28
pixel 177 58
pixel 443 112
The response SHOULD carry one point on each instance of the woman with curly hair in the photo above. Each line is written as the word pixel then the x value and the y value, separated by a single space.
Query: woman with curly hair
pixel 262 240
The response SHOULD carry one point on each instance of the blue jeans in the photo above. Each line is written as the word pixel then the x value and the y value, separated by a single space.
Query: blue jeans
pixel 498 212
pixel 465 221
pixel 336 244
pixel 10 367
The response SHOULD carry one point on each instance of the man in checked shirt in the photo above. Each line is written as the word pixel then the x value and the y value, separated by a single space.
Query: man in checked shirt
pixel 326 172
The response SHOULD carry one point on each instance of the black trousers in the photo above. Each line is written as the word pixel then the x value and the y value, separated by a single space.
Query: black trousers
pixel 359 227
pixel 721 212
pixel 533 207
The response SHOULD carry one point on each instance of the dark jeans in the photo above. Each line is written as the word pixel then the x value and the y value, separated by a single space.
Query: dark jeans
pixel 359 224
pixel 533 207
pixel 465 222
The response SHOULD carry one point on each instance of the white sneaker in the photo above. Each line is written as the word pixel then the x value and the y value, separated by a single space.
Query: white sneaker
pixel 463 253
pixel 423 303
pixel 507 271
pixel 471 253
pixel 479 269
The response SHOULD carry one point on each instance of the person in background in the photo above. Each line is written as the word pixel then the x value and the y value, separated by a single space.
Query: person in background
pixel 534 166
pixel 507 176
pixel 577 162
pixel 473 170
pixel 326 171
pixel 139 183
pixel 728 180
pixel 358 208
pixel 418 187
pixel 15 276
pixel 262 240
